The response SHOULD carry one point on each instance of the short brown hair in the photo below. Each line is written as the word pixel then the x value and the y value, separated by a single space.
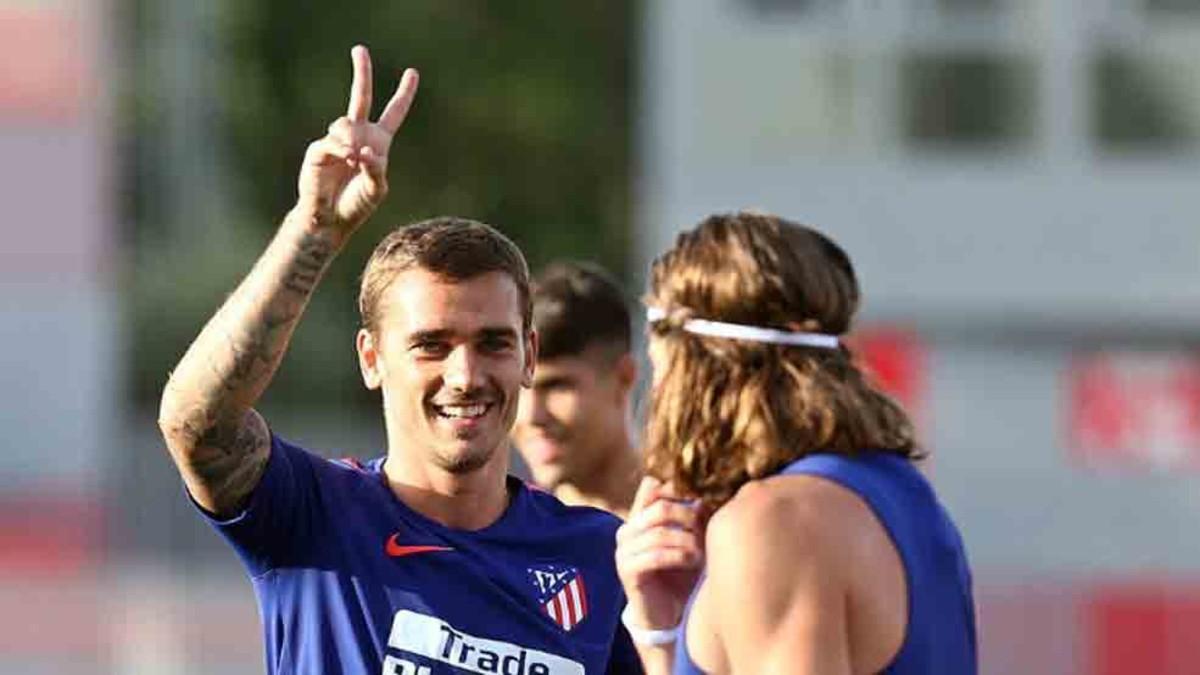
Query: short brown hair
pixel 576 306
pixel 728 411
pixel 455 248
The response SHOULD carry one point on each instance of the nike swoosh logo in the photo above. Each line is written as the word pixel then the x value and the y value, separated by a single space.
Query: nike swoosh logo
pixel 396 550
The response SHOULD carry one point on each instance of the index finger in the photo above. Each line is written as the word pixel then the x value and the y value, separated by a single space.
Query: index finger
pixel 360 89
pixel 397 108
pixel 648 491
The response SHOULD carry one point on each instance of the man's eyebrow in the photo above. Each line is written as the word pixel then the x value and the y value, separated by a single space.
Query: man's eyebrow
pixel 428 335
pixel 498 331
pixel 443 334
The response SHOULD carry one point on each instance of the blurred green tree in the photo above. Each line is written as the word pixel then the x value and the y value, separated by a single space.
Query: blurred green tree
pixel 523 121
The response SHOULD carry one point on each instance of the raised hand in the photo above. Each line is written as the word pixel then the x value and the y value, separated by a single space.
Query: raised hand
pixel 344 175
pixel 660 552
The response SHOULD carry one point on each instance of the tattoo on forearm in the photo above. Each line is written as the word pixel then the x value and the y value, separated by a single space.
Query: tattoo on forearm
pixel 315 253
pixel 253 346
pixel 252 351
pixel 224 442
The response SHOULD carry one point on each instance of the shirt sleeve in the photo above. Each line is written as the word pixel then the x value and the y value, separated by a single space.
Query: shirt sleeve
pixel 280 512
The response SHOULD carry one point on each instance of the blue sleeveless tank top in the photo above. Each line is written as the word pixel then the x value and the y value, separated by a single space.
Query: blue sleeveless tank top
pixel 940 635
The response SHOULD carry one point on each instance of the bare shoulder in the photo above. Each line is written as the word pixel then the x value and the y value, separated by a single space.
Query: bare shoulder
pixel 778 578
pixel 827 587
pixel 821 529
pixel 787 513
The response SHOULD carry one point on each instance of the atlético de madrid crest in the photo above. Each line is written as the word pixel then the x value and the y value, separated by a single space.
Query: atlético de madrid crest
pixel 561 593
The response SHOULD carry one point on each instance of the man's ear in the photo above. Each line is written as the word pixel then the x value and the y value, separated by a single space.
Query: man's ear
pixel 626 373
pixel 369 362
pixel 531 353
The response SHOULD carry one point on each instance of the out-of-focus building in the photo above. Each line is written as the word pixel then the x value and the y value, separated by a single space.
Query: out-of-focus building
pixel 59 339
pixel 83 481
pixel 1017 181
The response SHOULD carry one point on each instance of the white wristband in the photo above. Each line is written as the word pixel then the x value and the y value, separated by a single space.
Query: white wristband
pixel 650 636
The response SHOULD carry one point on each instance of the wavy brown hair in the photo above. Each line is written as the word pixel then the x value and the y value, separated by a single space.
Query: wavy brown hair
pixel 725 411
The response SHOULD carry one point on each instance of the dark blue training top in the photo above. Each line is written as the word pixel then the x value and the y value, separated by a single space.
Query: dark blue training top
pixel 940 635
pixel 350 580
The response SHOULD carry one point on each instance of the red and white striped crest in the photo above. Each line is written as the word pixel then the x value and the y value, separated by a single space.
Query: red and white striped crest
pixel 562 594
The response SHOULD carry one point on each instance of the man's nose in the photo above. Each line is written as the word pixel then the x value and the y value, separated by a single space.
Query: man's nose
pixel 464 370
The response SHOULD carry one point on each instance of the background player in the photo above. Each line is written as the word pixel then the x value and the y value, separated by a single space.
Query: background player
pixel 430 559
pixel 573 424
pixel 828 552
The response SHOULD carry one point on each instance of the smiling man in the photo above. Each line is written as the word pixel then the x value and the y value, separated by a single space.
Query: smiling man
pixel 430 559
pixel 573 426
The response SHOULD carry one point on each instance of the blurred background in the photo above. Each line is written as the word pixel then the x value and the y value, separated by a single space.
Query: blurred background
pixel 1017 181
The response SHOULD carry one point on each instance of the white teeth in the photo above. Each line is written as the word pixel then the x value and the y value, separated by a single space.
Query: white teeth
pixel 462 410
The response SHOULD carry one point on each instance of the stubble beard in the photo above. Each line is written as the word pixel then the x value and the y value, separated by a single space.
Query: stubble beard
pixel 461 463
pixel 463 456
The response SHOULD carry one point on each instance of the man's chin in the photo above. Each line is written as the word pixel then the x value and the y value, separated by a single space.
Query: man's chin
pixel 465 459
pixel 548 478
pixel 545 456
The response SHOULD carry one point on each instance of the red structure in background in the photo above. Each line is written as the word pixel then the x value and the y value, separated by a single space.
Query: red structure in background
pixel 1144 627
pixel 43 63
pixel 53 529
pixel 1134 410
pixel 50 535
pixel 896 361
pixel 1109 626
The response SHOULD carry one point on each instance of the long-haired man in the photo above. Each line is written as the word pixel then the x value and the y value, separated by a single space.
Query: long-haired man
pixel 785 528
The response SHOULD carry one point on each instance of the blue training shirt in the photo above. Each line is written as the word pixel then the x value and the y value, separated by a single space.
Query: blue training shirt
pixel 350 580
pixel 939 637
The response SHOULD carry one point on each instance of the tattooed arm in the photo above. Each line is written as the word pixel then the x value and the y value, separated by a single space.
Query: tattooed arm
pixel 218 441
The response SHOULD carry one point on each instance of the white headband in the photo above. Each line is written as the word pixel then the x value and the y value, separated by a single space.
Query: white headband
pixel 737 331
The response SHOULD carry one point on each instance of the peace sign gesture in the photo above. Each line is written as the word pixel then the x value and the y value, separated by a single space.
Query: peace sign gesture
pixel 344 175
